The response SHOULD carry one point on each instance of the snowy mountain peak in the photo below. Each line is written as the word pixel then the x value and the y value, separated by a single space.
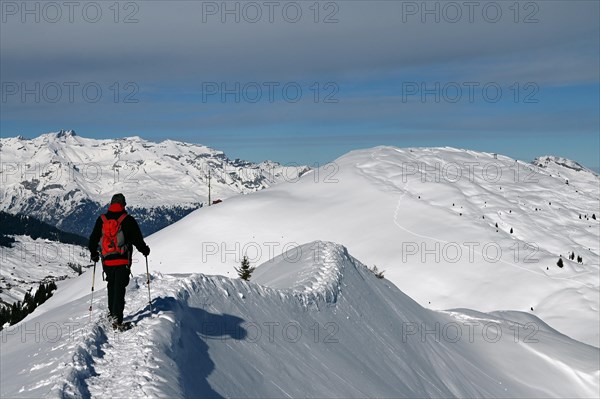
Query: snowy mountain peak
pixel 64 179
pixel 66 133
pixel 547 161
pixel 61 135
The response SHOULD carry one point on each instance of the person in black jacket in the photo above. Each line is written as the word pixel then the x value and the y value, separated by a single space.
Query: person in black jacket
pixel 116 266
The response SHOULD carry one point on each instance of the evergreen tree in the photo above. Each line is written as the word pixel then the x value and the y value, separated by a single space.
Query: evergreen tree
pixel 559 263
pixel 40 295
pixel 24 225
pixel 4 316
pixel 75 267
pixel 29 302
pixel 245 270
pixel 376 272
pixel 511 230
pixel 15 313
pixel 594 216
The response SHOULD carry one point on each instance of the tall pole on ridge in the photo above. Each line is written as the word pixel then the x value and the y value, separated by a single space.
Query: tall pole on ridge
pixel 209 201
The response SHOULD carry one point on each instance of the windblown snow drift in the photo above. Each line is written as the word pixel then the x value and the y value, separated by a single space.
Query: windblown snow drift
pixel 321 317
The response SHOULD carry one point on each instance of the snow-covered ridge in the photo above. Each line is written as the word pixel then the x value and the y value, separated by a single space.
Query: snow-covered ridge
pixel 312 272
pixel 548 160
pixel 66 179
pixel 438 220
pixel 211 336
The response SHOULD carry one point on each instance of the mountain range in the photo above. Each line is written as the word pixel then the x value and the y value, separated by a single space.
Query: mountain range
pixel 68 180
pixel 490 276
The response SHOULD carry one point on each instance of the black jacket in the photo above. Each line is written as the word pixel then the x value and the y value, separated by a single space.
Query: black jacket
pixel 129 226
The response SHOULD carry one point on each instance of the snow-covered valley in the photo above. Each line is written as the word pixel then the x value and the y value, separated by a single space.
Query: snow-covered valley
pixel 29 262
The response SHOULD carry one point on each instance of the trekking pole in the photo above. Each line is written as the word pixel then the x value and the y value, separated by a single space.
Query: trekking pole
pixel 93 281
pixel 148 281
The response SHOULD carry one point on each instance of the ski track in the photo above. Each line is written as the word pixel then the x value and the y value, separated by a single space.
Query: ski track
pixel 375 155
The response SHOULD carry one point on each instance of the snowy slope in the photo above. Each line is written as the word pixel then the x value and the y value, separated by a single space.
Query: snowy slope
pixel 320 326
pixel 29 262
pixel 427 216
pixel 65 179
pixel 560 165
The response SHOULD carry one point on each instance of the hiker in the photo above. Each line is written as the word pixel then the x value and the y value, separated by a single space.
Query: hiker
pixel 116 232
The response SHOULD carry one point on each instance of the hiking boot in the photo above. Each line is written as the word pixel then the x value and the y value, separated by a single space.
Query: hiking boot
pixel 121 326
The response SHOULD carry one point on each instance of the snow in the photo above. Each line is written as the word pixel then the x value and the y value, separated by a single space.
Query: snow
pixel 29 262
pixel 452 318
pixel 400 209
pixel 52 175
pixel 316 325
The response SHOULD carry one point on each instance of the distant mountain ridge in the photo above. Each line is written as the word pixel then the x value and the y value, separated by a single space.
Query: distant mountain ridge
pixel 18 225
pixel 549 160
pixel 67 180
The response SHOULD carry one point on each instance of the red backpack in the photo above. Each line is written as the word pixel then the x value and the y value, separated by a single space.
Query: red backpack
pixel 113 239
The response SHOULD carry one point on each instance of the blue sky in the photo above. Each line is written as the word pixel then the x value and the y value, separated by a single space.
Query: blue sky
pixel 528 77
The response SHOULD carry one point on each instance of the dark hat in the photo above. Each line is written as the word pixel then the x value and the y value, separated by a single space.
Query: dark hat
pixel 118 199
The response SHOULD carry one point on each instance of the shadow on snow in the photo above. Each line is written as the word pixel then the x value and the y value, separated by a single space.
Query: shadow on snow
pixel 190 352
